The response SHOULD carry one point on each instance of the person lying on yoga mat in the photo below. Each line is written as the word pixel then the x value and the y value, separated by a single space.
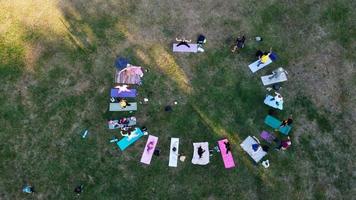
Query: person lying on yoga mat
pixel 227 146
pixel 150 145
pixel 240 43
pixel 183 41
pixel 278 98
pixel 288 121
pixel 200 151
pixel 264 58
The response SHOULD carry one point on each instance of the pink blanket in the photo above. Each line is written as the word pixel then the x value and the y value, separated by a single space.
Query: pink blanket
pixel 227 157
pixel 149 149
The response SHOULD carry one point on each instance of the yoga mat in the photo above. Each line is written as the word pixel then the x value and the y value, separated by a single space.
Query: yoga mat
pixel 173 155
pixel 204 160
pixel 182 48
pixel 267 136
pixel 227 158
pixel 273 103
pixel 127 141
pixel 149 149
pixel 254 68
pixel 267 81
pixel 247 147
pixel 118 93
pixel 276 124
pixel 117 107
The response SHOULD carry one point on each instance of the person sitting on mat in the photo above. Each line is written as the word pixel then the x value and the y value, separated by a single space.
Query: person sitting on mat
pixel 227 146
pixel 288 121
pixel 285 144
pixel 240 43
pixel 183 41
pixel 263 59
pixel 200 151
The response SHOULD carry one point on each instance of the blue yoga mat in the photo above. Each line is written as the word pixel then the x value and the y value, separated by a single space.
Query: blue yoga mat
pixel 126 141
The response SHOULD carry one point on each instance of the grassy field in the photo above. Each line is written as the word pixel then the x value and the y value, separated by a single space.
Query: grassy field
pixel 56 69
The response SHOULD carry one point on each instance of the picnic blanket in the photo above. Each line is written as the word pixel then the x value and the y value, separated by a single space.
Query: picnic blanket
pixel 173 155
pixel 149 149
pixel 129 75
pixel 117 107
pixel 267 136
pixel 254 68
pixel 182 48
pixel 116 92
pixel 270 101
pixel 276 124
pixel 204 160
pixel 126 141
pixel 247 147
pixel 114 124
pixel 281 78
pixel 227 157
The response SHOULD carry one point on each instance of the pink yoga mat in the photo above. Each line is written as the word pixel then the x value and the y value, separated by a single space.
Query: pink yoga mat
pixel 227 158
pixel 149 149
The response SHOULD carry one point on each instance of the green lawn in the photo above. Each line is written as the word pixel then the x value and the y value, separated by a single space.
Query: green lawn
pixel 56 70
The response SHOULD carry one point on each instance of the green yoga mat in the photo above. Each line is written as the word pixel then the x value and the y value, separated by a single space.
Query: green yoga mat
pixel 276 124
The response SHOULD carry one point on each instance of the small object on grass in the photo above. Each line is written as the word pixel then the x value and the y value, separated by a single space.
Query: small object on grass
pixel 114 139
pixel 85 133
pixel 258 39
pixel 28 189
pixel 265 163
pixel 268 89
pixel 145 100
pixel 79 189
pixel 175 103
pixel 276 86
pixel 112 100
pixel 157 152
pixel 168 109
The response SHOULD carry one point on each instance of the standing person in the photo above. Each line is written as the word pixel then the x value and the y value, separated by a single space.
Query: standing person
pixel 285 144
pixel 200 151
pixel 264 58
pixel 183 41
pixel 78 189
pixel 288 121
pixel 240 43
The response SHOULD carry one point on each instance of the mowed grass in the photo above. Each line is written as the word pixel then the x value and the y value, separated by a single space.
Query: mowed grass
pixel 56 69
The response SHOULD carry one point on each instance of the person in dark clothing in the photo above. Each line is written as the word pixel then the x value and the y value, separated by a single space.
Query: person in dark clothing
pixel 79 189
pixel 183 42
pixel 201 39
pixel 288 121
pixel 227 146
pixel 259 54
pixel 240 43
pixel 200 151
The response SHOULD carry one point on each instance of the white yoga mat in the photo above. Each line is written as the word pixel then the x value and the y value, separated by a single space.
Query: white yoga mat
pixel 204 160
pixel 267 81
pixel 182 48
pixel 254 68
pixel 247 146
pixel 273 103
pixel 173 155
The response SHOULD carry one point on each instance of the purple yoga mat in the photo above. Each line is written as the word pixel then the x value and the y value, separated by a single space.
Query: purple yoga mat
pixel 117 93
